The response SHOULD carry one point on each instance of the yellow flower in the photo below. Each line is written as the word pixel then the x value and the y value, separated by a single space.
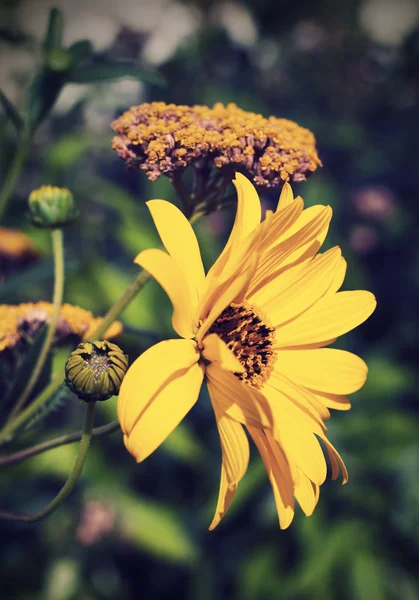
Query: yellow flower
pixel 254 328
pixel 22 321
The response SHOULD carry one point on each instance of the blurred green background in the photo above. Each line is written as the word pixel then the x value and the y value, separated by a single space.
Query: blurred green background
pixel 349 71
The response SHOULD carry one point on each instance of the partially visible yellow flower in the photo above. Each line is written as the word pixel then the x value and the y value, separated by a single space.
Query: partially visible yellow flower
pixel 255 329
pixel 25 320
pixel 16 249
pixel 163 139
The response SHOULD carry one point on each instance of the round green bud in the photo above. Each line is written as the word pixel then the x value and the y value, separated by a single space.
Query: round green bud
pixel 52 207
pixel 95 370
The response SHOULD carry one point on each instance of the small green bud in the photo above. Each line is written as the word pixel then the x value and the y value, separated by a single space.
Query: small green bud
pixel 52 207
pixel 59 60
pixel 95 370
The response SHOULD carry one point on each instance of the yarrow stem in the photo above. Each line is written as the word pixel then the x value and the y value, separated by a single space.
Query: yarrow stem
pixel 14 172
pixel 62 440
pixel 58 251
pixel 72 478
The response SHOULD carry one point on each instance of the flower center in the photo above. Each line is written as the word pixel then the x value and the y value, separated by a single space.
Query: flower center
pixel 250 336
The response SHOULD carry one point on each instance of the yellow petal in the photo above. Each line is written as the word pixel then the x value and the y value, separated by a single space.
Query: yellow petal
pixel 279 223
pixel 172 279
pixel 286 197
pixel 314 282
pixel 164 413
pixel 247 219
pixel 332 316
pixel 334 401
pixel 180 241
pixel 291 249
pixel 238 400
pixel 217 351
pixel 324 370
pixel 279 475
pixel 149 373
pixel 339 277
pixel 225 498
pixel 235 459
pixel 307 494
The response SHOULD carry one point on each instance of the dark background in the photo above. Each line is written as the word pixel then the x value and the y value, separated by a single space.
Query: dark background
pixel 347 70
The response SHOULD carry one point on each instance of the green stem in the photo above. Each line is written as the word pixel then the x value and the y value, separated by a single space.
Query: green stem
pixel 183 193
pixel 58 251
pixel 132 290
pixel 72 478
pixel 9 185
pixel 62 440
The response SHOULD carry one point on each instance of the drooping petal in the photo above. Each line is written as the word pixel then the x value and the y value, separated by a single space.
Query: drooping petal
pixel 159 389
pixel 302 397
pixel 315 280
pixel 296 436
pixel 279 474
pixel 235 459
pixel 171 277
pixel 238 400
pixel 324 370
pixel 217 351
pixel 180 241
pixel 307 494
pixel 332 316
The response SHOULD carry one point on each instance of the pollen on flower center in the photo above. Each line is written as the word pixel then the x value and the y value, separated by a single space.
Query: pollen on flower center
pixel 250 336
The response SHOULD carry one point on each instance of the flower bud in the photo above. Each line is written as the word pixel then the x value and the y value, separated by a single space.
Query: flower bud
pixel 95 370
pixel 52 207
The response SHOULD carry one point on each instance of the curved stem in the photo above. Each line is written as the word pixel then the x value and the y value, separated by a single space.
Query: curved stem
pixel 14 172
pixel 62 440
pixel 72 478
pixel 58 252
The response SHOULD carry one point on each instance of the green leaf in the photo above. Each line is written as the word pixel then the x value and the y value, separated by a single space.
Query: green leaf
pixel 80 51
pixel 43 93
pixel 368 577
pixel 11 112
pixel 54 35
pixel 117 70
pixel 155 528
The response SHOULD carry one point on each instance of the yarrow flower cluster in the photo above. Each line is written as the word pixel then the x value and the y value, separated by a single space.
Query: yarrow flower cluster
pixel 164 139
pixel 20 323
pixel 254 328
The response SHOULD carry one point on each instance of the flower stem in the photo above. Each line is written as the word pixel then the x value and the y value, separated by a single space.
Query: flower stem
pixel 12 177
pixel 62 440
pixel 58 251
pixel 72 478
